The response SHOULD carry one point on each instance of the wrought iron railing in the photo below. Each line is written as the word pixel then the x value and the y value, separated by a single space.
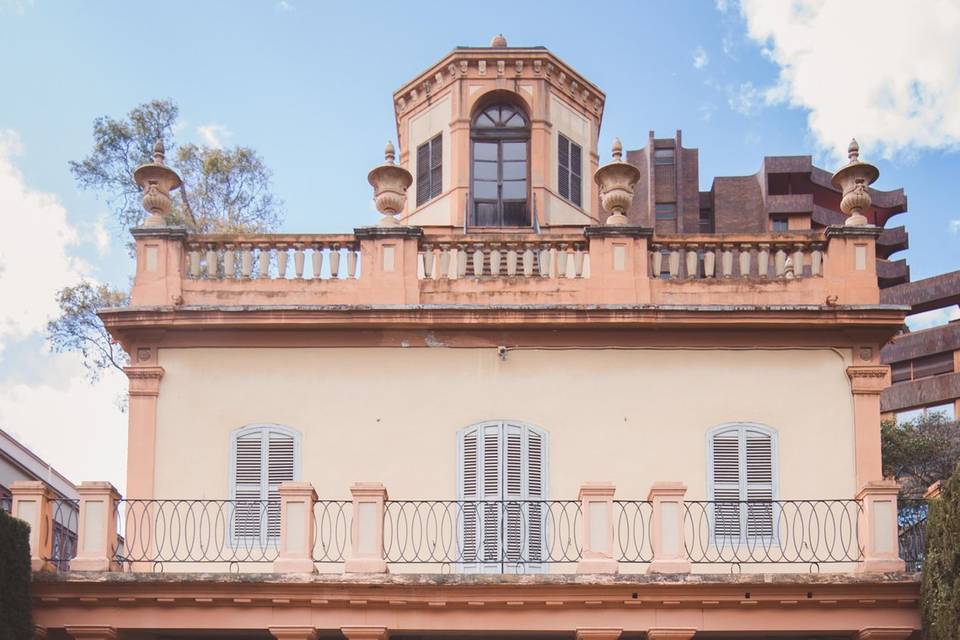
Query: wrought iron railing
pixel 631 531
pixel 809 532
pixel 63 529
pixel 912 521
pixel 332 520
pixel 510 536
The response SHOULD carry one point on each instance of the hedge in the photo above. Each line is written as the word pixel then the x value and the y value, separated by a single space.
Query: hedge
pixel 940 596
pixel 15 619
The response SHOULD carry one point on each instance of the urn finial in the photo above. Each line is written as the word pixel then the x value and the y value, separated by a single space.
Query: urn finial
pixel 157 180
pixel 390 183
pixel 853 180
pixel 617 150
pixel 498 41
pixel 616 180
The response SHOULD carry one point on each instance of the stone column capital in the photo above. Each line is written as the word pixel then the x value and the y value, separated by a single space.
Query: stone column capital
pixel 869 379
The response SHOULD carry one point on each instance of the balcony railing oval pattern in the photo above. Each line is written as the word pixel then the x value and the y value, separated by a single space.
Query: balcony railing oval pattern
pixel 332 524
pixel 272 257
pixel 63 527
pixel 631 531
pixel 912 521
pixel 780 531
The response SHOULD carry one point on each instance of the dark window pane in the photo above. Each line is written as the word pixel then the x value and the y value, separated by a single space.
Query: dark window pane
pixel 485 214
pixel 485 170
pixel 484 190
pixel 516 120
pixel 515 214
pixel 666 211
pixel 514 150
pixel 436 182
pixel 515 190
pixel 485 151
pixel 563 152
pixel 663 156
pixel 515 170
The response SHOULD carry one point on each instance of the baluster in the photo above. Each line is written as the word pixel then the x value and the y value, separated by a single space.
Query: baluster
pixel 528 261
pixel 246 260
pixel 477 260
pixel 334 261
pixel 316 260
pixel 779 262
pixel 263 261
pixel 544 255
pixel 436 272
pixel 213 264
pixel 426 261
pixel 673 261
pixel 788 268
pixel 816 260
pixel 656 259
pixel 586 264
pixel 462 257
pixel 709 260
pixel 763 260
pixel 693 260
pixel 745 260
pixel 298 261
pixel 282 255
pixel 726 260
pixel 798 260
pixel 495 260
pixel 553 270
pixel 193 258
pixel 445 261
pixel 511 261
pixel 564 252
pixel 578 256
pixel 229 260
pixel 351 263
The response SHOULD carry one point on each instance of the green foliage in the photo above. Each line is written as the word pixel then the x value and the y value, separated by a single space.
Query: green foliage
pixel 920 452
pixel 79 328
pixel 940 595
pixel 15 618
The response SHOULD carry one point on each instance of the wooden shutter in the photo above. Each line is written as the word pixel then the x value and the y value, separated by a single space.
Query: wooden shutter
pixel 423 173
pixel 469 494
pixel 536 493
pixel 491 494
pixel 280 466
pixel 264 457
pixel 759 482
pixel 436 166
pixel 248 484
pixel 725 450
pixel 576 185
pixel 563 167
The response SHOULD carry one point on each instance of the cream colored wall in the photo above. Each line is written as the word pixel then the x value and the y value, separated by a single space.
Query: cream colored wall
pixel 578 129
pixel 392 414
pixel 424 126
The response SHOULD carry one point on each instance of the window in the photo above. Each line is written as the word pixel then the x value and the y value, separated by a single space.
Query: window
pixel 780 224
pixel 923 367
pixel 502 475
pixel 500 138
pixel 706 221
pixel 742 481
pixel 262 456
pixel 569 170
pixel 663 156
pixel 945 411
pixel 666 210
pixel 429 169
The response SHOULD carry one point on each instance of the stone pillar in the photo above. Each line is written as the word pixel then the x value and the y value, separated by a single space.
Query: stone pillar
pixel 293 633
pixel 619 261
pixel 598 633
pixel 161 264
pixel 596 507
pixel 91 632
pixel 144 387
pixel 389 259
pixel 365 633
pixel 671 633
pixel 366 535
pixel 879 528
pixel 666 528
pixel 30 501
pixel 97 529
pixel 297 527
pixel 866 383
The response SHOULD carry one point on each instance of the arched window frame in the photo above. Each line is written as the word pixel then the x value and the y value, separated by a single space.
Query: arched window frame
pixel 269 529
pixel 742 429
pixel 481 565
pixel 500 136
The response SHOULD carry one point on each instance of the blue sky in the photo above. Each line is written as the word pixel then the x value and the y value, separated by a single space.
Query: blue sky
pixel 309 84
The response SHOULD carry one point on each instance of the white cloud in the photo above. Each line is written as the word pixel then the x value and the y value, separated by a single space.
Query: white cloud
pixel 284 6
pixel 100 236
pixel 34 258
pixel 934 318
pixel 745 99
pixel 213 134
pixel 884 71
pixel 18 7
pixel 722 5
pixel 700 58
pixel 955 225
pixel 72 424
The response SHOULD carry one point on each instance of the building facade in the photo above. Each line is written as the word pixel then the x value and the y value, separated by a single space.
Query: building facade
pixel 527 402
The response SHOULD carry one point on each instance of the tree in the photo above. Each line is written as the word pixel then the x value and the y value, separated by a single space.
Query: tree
pixel 920 452
pixel 940 590
pixel 224 190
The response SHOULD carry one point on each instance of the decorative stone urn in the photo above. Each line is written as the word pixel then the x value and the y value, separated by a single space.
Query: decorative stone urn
pixel 853 180
pixel 616 180
pixel 390 183
pixel 157 180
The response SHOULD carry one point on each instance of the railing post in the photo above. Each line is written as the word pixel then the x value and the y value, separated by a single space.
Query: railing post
pixel 30 501
pixel 878 528
pixel 97 528
pixel 160 265
pixel 666 528
pixel 366 534
pixel 297 528
pixel 596 522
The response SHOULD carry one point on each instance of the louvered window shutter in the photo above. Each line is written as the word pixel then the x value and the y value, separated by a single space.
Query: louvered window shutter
pixel 563 167
pixel 423 173
pixel 726 483
pixel 280 468
pixel 491 461
pixel 759 482
pixel 429 169
pixel 576 186
pixel 436 166
pixel 470 494
pixel 536 493
pixel 248 485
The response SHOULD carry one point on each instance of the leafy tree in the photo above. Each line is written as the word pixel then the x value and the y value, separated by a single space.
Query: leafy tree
pixel 940 591
pixel 920 452
pixel 16 620
pixel 224 190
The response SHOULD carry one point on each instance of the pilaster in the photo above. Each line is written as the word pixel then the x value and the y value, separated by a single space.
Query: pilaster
pixel 866 383
pixel 144 389
pixel 30 501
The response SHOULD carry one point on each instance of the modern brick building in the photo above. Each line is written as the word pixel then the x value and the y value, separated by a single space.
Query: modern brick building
pixel 543 396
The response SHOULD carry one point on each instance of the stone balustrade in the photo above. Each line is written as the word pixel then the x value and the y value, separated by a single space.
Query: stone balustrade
pixel 519 257
pixel 706 257
pixel 272 257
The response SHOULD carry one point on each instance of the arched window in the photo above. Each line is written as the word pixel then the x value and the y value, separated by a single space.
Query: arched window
pixel 261 457
pixel 500 138
pixel 502 483
pixel 742 480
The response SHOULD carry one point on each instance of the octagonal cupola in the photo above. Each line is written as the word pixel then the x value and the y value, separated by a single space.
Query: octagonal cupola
pixel 500 137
